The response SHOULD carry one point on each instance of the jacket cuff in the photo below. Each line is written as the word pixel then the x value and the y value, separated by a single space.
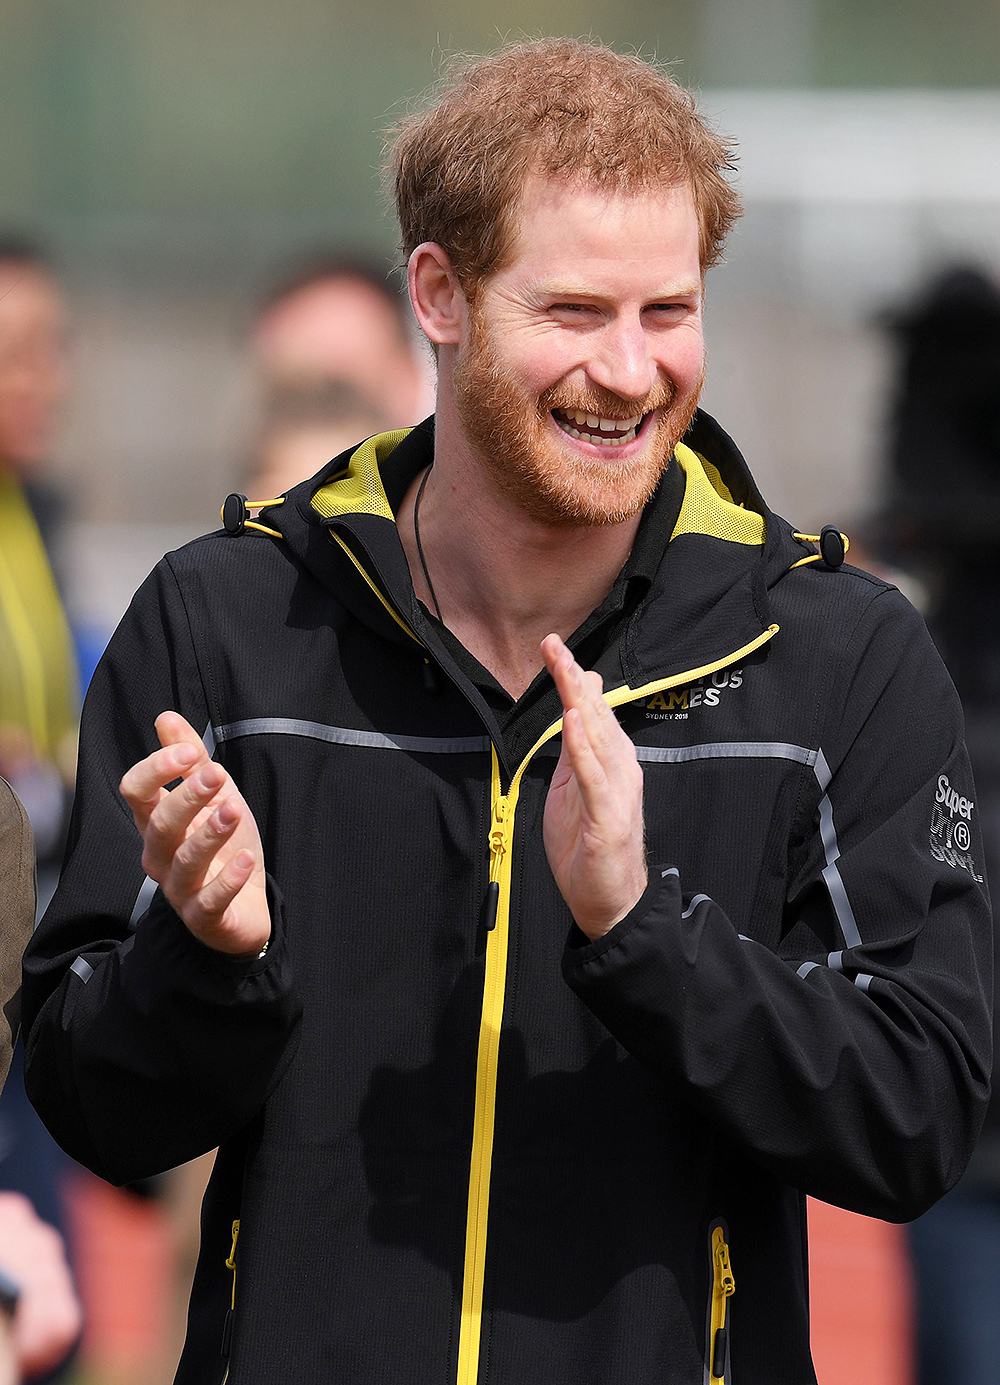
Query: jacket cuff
pixel 580 949
pixel 161 931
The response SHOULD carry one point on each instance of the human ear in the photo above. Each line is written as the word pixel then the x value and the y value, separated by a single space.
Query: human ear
pixel 438 301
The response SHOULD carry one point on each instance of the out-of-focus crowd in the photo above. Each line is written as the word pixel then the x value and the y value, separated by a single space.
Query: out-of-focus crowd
pixel 335 359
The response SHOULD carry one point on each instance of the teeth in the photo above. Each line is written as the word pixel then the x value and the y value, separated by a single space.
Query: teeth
pixel 603 425
pixel 598 441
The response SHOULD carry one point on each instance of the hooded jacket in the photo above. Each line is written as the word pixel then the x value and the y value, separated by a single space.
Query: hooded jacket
pixel 459 1143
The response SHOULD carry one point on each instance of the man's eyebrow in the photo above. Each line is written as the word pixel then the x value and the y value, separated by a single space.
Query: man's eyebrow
pixel 575 292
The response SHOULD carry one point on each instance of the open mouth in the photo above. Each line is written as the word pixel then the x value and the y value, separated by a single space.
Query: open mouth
pixel 603 432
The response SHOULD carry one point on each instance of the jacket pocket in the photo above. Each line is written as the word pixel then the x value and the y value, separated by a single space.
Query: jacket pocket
pixel 723 1286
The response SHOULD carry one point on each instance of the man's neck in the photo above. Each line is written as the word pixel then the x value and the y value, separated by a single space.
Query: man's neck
pixel 503 579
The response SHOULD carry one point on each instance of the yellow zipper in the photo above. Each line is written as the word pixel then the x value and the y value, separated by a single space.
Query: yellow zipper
pixel 502 809
pixel 723 1288
pixel 372 586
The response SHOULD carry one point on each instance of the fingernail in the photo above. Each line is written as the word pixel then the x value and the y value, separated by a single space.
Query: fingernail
pixel 208 778
pixel 185 754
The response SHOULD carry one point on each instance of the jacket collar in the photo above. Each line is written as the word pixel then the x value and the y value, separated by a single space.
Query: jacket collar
pixel 708 593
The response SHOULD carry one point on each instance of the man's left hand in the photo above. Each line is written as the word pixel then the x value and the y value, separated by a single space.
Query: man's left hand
pixel 593 824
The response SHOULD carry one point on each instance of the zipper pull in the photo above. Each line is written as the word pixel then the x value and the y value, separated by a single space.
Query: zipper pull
pixel 227 1329
pixel 488 912
pixel 498 845
pixel 498 837
pixel 724 1280
pixel 725 1287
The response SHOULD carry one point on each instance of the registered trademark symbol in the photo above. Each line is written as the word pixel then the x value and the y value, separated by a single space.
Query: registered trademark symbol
pixel 962 838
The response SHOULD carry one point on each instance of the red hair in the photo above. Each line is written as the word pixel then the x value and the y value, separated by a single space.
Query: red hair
pixel 559 107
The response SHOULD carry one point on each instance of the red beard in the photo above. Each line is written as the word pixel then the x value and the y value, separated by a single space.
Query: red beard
pixel 512 432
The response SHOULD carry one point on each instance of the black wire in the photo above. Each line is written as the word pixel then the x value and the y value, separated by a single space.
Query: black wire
pixel 420 547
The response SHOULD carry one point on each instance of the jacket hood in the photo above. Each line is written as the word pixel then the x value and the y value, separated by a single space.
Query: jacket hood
pixel 725 549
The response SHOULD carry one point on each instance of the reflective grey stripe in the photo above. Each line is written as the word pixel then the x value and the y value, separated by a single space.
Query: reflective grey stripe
pixel 208 740
pixel 831 873
pixel 670 870
pixel 344 735
pixel 806 968
pixel 842 906
pixel 827 831
pixel 82 968
pixel 822 771
pixel 835 961
pixel 142 901
pixel 698 899
pixel 726 750
pixel 863 980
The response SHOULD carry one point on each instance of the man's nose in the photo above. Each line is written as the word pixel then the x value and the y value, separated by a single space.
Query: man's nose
pixel 623 362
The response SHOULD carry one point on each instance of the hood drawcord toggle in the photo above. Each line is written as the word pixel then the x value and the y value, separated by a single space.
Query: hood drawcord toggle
pixel 236 514
pixel 833 547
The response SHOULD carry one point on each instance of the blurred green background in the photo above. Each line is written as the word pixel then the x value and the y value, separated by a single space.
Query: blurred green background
pixel 216 130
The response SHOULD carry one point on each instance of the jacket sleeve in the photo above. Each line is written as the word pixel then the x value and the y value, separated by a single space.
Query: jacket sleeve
pixel 144 1047
pixel 858 1072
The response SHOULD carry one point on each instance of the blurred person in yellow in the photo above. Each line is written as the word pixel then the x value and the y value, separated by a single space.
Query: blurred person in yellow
pixel 38 676
pixel 38 680
pixel 534 898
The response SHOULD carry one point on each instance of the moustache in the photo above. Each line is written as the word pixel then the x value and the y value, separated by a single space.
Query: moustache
pixel 605 403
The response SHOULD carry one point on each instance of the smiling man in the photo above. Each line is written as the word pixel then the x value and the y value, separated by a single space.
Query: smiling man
pixel 536 880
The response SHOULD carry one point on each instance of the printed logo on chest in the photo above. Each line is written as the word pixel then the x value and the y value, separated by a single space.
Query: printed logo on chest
pixel 676 704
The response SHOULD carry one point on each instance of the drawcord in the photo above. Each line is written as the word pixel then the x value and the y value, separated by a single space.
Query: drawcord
pixel 833 547
pixel 235 511
pixel 432 683
pixel 420 547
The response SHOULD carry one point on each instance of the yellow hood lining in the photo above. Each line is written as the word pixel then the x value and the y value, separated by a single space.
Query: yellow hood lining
pixel 359 489
pixel 707 507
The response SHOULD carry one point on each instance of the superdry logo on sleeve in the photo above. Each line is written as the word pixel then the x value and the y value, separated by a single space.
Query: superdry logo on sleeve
pixel 951 837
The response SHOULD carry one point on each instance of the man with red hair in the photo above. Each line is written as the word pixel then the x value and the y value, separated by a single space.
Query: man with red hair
pixel 548 865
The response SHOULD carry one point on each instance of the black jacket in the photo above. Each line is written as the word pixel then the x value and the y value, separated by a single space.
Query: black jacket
pixel 798 1004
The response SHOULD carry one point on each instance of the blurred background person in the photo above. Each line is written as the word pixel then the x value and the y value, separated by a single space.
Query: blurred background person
pixel 340 318
pixel 942 522
pixel 305 425
pixel 40 1315
pixel 38 672
pixel 38 676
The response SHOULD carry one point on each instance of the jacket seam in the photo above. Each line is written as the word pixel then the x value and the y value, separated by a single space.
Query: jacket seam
pixel 208 689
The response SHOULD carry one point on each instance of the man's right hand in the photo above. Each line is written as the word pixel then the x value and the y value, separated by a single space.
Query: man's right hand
pixel 202 846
